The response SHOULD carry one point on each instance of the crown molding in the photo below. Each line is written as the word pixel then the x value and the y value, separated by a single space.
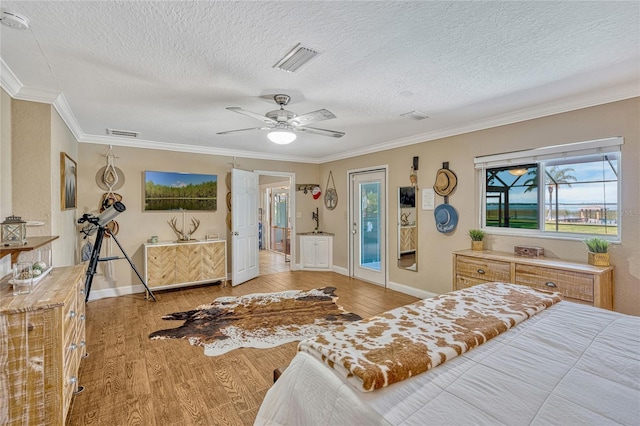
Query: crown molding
pixel 193 149
pixel 8 80
pixel 617 93
pixel 14 87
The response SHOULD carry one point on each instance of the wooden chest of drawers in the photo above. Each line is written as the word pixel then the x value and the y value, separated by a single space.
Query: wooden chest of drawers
pixel 578 282
pixel 42 340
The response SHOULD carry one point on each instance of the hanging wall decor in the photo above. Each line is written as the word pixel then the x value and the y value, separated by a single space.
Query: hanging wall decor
pixel 331 195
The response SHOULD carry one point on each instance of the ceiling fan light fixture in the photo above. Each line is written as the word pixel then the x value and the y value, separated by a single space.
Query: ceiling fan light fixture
pixel 281 137
pixel 518 172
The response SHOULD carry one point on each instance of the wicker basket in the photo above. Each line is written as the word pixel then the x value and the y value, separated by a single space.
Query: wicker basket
pixel 599 259
pixel 477 245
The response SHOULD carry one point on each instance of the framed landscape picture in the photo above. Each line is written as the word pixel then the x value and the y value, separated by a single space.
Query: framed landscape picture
pixel 68 182
pixel 179 191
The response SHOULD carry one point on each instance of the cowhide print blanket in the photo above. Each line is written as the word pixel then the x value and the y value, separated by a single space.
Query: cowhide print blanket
pixel 261 320
pixel 412 339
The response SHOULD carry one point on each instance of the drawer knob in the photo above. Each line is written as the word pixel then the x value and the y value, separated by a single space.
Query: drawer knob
pixel 550 284
pixel 83 343
pixel 481 271
pixel 72 347
pixel 73 380
pixel 83 317
pixel 72 314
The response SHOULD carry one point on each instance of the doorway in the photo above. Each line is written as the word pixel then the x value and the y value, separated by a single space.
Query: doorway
pixel 368 219
pixel 247 214
pixel 277 217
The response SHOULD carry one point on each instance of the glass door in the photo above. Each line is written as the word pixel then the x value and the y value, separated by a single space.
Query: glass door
pixel 280 238
pixel 368 226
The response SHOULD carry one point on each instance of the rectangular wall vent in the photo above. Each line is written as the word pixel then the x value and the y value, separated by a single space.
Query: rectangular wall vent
pixel 415 115
pixel 122 133
pixel 296 58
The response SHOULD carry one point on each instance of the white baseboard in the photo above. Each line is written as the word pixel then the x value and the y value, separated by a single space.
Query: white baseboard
pixel 115 292
pixel 340 270
pixel 411 291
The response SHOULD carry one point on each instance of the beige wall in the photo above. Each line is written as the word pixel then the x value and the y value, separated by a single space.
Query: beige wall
pixel 63 222
pixel 30 184
pixel 35 141
pixel 136 226
pixel 5 168
pixel 435 260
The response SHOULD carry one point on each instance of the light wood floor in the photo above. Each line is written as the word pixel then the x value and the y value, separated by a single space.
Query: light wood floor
pixel 131 380
pixel 273 261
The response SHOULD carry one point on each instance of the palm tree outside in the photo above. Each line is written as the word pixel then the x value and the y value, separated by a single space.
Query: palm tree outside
pixel 555 176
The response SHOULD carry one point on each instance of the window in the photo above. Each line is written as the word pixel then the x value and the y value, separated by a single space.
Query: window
pixel 569 190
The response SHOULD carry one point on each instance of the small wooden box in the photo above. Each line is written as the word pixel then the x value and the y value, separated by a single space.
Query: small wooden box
pixel 527 251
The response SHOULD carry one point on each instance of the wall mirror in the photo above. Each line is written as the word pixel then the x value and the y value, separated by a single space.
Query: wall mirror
pixel 407 228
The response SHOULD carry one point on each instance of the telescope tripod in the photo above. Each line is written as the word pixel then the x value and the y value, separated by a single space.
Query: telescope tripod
pixel 95 258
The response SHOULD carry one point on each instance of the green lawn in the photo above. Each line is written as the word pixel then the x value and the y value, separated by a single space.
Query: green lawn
pixel 574 228
pixel 582 228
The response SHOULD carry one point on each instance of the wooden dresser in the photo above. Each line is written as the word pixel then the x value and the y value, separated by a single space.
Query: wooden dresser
pixel 578 282
pixel 42 340
pixel 168 265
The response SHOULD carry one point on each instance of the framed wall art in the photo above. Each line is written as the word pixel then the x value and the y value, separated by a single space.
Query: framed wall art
pixel 179 191
pixel 68 182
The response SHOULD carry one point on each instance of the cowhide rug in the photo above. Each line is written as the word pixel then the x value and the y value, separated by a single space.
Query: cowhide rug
pixel 261 320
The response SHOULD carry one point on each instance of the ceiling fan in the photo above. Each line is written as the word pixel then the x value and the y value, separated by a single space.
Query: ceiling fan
pixel 282 123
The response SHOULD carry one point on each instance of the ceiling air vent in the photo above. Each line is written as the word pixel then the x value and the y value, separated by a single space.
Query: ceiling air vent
pixel 122 133
pixel 298 56
pixel 415 115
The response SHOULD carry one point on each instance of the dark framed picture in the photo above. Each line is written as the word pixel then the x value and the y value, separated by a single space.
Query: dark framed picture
pixel 180 191
pixel 68 182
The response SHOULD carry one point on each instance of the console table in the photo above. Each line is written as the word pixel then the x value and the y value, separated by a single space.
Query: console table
pixel 171 264
pixel 578 282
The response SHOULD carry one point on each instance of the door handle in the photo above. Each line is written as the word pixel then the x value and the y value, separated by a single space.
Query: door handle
pixel 354 230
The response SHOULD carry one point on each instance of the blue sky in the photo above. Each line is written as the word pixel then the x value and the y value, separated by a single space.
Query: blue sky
pixel 582 190
pixel 178 180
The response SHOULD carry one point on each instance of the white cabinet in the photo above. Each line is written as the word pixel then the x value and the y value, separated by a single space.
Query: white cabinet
pixel 316 251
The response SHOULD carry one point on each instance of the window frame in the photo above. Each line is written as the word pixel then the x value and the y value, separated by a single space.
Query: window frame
pixel 542 156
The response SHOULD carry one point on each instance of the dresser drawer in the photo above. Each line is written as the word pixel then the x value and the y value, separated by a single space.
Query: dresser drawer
pixel 466 282
pixel 484 270
pixel 573 285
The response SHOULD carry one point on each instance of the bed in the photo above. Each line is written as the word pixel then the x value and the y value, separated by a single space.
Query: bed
pixel 567 364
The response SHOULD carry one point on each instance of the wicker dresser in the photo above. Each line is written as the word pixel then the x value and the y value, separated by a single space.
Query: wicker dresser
pixel 42 340
pixel 578 282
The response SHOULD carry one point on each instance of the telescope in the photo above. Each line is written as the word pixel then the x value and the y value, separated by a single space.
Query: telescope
pixel 102 220
pixel 99 224
pixel 105 217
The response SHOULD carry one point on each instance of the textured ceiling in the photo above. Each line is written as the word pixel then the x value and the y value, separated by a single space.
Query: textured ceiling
pixel 168 69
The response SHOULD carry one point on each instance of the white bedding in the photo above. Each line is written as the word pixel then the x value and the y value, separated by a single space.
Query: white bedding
pixel 570 364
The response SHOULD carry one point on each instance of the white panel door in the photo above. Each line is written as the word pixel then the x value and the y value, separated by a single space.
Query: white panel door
pixel 244 226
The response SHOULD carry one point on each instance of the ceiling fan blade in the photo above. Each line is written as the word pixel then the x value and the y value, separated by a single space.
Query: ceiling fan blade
pixel 242 130
pixel 316 131
pixel 312 117
pixel 252 115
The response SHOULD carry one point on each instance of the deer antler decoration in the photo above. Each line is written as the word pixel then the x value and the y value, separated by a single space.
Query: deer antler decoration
pixel 183 236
